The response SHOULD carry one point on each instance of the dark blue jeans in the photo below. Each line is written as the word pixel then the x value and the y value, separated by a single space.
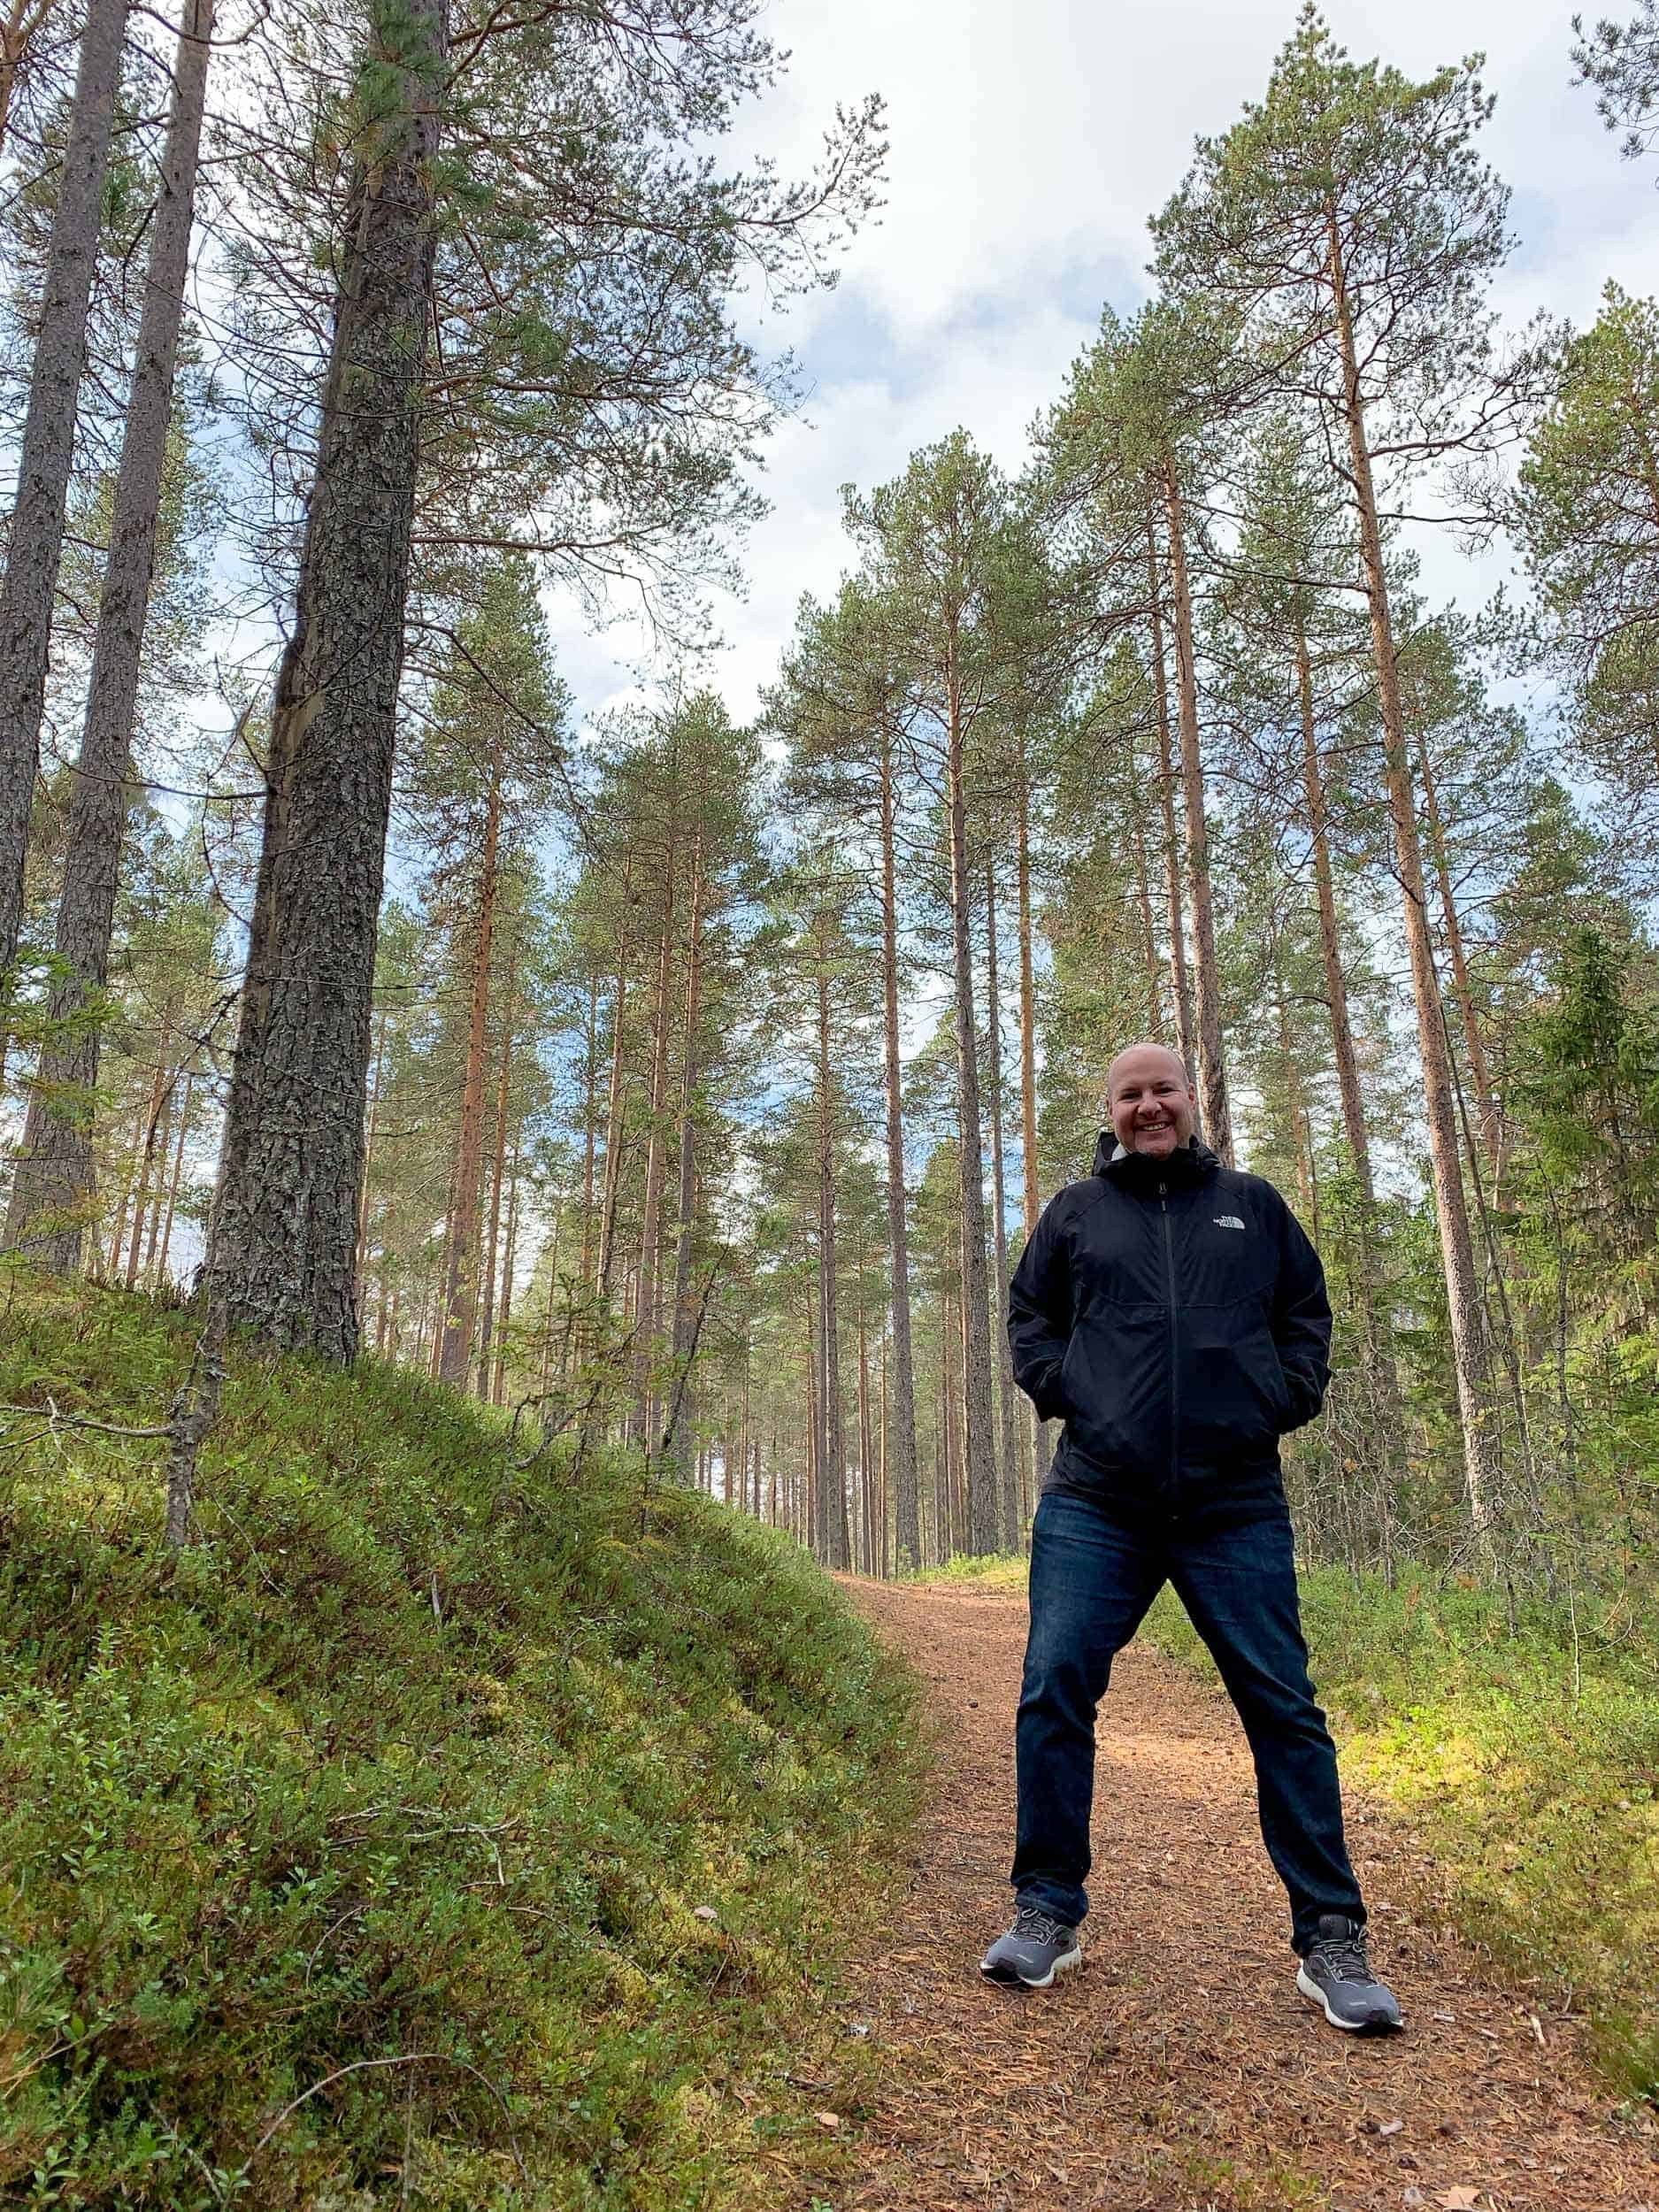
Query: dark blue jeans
pixel 1091 1579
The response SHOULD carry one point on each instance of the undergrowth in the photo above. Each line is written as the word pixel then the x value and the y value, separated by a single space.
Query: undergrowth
pixel 436 1831
pixel 1528 1761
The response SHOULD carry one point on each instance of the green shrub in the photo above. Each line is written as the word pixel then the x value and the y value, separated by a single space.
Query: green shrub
pixel 528 1808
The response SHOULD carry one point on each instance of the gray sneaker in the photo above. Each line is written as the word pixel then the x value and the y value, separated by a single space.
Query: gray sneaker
pixel 1336 1975
pixel 1036 1947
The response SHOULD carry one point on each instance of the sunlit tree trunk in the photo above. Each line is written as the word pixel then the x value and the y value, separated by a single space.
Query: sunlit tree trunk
pixel 1180 985
pixel 1469 1359
pixel 1031 1174
pixel 1007 1391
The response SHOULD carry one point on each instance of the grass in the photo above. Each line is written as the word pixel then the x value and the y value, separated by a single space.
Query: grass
pixel 1530 1769
pixel 436 1831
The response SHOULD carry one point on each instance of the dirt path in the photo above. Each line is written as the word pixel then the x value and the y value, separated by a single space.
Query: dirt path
pixel 1180 2072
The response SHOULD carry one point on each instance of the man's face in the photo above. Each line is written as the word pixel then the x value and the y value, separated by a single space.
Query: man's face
pixel 1150 1101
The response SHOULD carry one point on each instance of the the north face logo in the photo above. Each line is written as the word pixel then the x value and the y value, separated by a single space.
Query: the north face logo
pixel 1228 1221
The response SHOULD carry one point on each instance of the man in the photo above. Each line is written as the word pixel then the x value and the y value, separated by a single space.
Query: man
pixel 1174 1315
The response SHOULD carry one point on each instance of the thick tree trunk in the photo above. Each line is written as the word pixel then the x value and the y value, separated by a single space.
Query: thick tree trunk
pixel 685 1314
pixel 1212 1072
pixel 284 1221
pixel 35 539
pixel 1180 984
pixel 1480 1464
pixel 52 1185
pixel 1031 1173
pixel 984 1503
pixel 1008 1396
pixel 903 1445
pixel 460 1284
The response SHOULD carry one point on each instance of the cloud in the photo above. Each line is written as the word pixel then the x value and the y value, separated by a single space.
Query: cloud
pixel 1031 139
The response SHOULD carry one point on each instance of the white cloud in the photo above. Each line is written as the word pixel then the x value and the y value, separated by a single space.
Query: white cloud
pixel 1031 139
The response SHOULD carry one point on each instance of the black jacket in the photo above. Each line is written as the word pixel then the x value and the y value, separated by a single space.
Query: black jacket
pixel 1173 1314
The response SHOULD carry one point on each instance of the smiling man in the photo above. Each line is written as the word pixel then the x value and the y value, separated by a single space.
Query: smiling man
pixel 1172 1313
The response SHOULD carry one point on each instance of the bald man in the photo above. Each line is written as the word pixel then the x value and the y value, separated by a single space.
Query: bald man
pixel 1173 1314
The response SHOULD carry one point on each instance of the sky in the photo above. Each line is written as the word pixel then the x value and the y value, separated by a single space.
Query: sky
pixel 1031 139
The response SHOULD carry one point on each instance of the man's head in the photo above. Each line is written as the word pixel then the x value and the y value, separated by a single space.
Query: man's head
pixel 1150 1101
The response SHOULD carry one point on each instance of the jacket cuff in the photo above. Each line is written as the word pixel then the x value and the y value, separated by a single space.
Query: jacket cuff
pixel 1046 1397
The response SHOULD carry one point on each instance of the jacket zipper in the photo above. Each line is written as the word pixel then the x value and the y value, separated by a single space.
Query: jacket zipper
pixel 1175 1387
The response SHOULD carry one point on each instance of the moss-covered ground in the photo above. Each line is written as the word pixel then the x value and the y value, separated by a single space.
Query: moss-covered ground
pixel 439 1830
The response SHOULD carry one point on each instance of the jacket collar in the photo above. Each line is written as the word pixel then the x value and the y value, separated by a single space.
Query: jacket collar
pixel 1190 1164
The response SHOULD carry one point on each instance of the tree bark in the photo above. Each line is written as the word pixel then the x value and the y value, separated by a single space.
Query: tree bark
pixel 613 1104
pixel 1031 1173
pixel 685 1314
pixel 461 1259
pixel 655 1168
pixel 1479 1068
pixel 284 1221
pixel 1180 983
pixel 23 19
pixel 503 1083
pixel 1007 1392
pixel 1480 1465
pixel 53 1182
pixel 1218 1118
pixel 835 1548
pixel 903 1446
pixel 172 1187
pixel 35 539
pixel 984 1503
pixel 498 1388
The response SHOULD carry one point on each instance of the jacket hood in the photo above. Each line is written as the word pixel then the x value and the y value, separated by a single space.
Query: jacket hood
pixel 1194 1158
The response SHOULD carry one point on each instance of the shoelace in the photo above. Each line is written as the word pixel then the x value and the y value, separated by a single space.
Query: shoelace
pixel 1347 1959
pixel 1041 1927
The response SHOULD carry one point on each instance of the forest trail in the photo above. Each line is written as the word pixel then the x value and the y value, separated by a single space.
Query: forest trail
pixel 1180 2072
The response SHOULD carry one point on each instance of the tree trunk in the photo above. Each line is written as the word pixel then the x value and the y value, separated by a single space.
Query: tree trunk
pixel 1149 928
pixel 1218 1127
pixel 590 1123
pixel 1031 1174
pixel 23 19
pixel 1353 1123
pixel 284 1221
pixel 375 1082
pixel 835 1549
pixel 1479 1068
pixel 906 1498
pixel 656 1169
pixel 35 539
pixel 54 1175
pixel 172 1187
pixel 1181 988
pixel 684 1314
pixel 613 1105
pixel 161 1090
pixel 984 1503
pixel 498 1388
pixel 460 1290
pixel 1007 1394
pixel 498 1176
pixel 1480 1467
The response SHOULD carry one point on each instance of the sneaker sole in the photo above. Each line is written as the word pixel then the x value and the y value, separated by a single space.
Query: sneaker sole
pixel 1375 2023
pixel 1010 1977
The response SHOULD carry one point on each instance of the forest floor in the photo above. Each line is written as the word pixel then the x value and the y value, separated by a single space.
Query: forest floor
pixel 1180 2072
